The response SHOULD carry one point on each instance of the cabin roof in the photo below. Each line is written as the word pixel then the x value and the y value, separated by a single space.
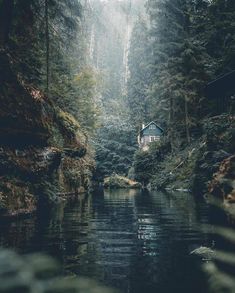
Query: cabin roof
pixel 152 122
pixel 223 86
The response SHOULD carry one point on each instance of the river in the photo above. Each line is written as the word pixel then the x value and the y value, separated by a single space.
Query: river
pixel 131 240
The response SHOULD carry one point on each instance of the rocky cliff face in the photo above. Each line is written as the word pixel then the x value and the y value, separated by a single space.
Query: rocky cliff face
pixel 43 150
pixel 223 183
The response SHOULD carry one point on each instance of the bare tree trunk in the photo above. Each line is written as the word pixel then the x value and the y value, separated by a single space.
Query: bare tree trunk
pixel 171 114
pixel 186 120
pixel 47 47
pixel 6 9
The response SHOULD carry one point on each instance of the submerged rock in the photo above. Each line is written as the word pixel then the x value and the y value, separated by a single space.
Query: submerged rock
pixel 116 181
pixel 205 253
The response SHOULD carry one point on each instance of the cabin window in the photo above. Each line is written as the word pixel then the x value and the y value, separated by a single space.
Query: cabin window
pixel 152 126
pixel 154 138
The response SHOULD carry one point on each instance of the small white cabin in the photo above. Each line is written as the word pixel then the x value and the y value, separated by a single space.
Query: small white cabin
pixel 149 133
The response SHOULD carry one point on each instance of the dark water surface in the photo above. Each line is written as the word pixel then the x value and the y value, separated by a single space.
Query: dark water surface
pixel 132 240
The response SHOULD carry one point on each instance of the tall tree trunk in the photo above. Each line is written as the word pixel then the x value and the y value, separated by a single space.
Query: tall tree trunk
pixel 186 120
pixel 171 131
pixel 47 47
pixel 6 10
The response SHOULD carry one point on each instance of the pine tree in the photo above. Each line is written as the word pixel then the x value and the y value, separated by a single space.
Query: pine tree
pixel 138 83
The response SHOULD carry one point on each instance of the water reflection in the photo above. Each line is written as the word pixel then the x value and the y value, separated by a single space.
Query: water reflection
pixel 135 241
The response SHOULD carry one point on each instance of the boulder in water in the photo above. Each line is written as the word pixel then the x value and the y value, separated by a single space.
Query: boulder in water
pixel 117 181
pixel 205 253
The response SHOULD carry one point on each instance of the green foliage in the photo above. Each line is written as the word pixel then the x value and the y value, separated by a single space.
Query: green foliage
pixel 139 65
pixel 40 273
pixel 220 133
pixel 143 166
pixel 85 84
pixel 219 270
pixel 115 146
pixel 146 162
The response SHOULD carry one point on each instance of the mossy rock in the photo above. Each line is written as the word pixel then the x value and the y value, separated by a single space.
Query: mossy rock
pixel 16 197
pixel 73 134
pixel 116 181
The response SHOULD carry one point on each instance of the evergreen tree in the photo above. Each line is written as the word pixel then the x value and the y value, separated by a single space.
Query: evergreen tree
pixel 139 67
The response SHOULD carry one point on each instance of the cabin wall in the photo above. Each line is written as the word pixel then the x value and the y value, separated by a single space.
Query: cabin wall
pixel 146 140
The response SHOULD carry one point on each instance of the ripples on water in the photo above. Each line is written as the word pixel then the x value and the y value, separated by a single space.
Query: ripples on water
pixel 132 240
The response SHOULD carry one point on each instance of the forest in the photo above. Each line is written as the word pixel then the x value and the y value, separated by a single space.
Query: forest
pixel 84 86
